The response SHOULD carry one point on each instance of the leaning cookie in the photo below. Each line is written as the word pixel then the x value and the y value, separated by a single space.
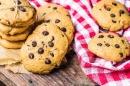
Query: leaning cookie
pixel 111 15
pixel 110 47
pixel 50 8
pixel 62 21
pixel 44 49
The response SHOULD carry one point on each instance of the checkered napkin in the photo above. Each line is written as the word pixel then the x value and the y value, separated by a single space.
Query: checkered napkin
pixel 102 72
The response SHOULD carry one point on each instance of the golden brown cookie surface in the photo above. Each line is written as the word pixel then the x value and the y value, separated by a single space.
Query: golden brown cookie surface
pixel 44 49
pixel 16 13
pixel 50 8
pixel 62 21
pixel 111 15
pixel 109 46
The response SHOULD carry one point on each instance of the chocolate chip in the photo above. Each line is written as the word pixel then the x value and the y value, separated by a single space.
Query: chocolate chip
pixel 107 8
pixel 123 41
pixel 45 33
pixel 54 8
pixel 113 3
pixel 28 45
pixel 31 55
pixel 42 42
pixel 68 16
pixel 46 21
pixel 34 43
pixel 18 2
pixel 117 46
pixel 47 61
pixel 43 14
pixel 107 44
pixel 126 48
pixel 62 35
pixel 99 44
pixel 121 12
pixel 113 21
pixel 51 44
pixel 110 36
pixel 119 21
pixel 30 81
pixel 121 54
pixel 0 3
pixel 52 54
pixel 21 8
pixel 57 21
pixel 52 38
pixel 40 50
pixel 100 36
pixel 112 15
pixel 63 29
pixel 49 6
pixel 12 9
pixel 129 14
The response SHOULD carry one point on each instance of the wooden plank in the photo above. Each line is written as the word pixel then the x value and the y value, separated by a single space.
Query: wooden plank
pixel 70 75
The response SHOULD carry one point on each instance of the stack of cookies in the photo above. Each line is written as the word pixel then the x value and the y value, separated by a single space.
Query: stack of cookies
pixel 47 46
pixel 16 17
pixel 111 16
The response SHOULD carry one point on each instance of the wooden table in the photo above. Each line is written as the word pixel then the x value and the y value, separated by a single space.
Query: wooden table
pixel 70 75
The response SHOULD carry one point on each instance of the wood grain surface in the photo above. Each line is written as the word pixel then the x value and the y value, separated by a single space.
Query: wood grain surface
pixel 69 75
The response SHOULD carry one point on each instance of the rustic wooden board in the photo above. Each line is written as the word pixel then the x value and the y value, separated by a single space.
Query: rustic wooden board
pixel 70 75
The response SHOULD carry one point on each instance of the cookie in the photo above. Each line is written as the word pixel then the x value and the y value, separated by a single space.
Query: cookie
pixel 16 13
pixel 11 45
pixel 62 21
pixel 111 15
pixel 44 49
pixel 12 30
pixel 110 47
pixel 50 8
pixel 17 37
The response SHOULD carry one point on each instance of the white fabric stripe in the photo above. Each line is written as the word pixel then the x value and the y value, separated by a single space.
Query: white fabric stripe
pixel 76 7
pixel 125 82
pixel 33 4
pixel 81 51
pixel 83 54
pixel 85 2
pixel 127 3
pixel 41 2
pixel 122 65
pixel 121 1
pixel 87 71
pixel 82 31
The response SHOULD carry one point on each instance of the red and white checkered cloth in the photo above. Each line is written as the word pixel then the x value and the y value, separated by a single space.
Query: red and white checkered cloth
pixel 102 72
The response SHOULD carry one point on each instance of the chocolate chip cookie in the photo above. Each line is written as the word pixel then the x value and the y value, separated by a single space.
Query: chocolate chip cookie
pixel 50 8
pixel 16 13
pixel 111 15
pixel 110 46
pixel 62 21
pixel 11 45
pixel 44 49
pixel 17 37
pixel 12 30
